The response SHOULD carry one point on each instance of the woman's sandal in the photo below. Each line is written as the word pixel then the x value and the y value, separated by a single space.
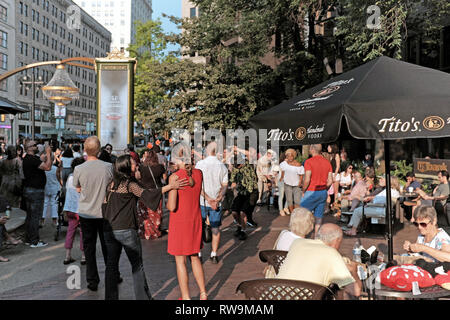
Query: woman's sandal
pixel 203 296
pixel 3 259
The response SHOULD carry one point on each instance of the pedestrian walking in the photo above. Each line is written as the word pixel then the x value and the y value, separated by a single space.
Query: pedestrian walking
pixel 185 225
pixel 215 184
pixel 91 179
pixel 121 226
pixel 34 190
pixel 318 178
pixel 71 211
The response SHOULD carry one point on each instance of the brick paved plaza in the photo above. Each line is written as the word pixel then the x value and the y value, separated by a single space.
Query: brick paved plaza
pixel 40 273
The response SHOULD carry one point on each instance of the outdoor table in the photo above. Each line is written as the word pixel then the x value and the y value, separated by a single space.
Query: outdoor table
pixel 433 292
pixel 411 195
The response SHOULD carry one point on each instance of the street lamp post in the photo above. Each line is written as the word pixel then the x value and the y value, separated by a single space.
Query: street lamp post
pixel 31 81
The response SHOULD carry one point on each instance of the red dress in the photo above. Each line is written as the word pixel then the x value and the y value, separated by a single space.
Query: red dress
pixel 185 224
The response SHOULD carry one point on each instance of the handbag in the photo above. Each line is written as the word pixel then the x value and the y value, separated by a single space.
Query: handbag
pixel 206 228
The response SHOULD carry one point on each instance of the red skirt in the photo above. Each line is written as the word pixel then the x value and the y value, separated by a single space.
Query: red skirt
pixel 149 221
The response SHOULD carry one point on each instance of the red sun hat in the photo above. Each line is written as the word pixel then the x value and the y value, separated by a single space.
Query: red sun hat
pixel 402 277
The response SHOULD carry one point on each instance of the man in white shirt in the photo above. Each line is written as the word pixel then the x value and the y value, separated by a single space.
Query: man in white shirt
pixel 215 183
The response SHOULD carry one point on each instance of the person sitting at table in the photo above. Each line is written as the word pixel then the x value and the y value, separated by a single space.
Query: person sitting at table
pixel 369 178
pixel 380 211
pixel 357 193
pixel 300 225
pixel 406 203
pixel 433 242
pixel 319 261
pixel 346 179
pixel 412 182
pixel 440 194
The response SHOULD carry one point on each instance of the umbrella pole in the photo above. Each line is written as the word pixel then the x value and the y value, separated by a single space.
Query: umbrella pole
pixel 387 161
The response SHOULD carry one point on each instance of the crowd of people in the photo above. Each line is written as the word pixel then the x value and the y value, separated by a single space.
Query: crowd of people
pixel 121 200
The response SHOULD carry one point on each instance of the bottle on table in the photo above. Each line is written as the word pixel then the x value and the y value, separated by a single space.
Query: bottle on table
pixel 357 251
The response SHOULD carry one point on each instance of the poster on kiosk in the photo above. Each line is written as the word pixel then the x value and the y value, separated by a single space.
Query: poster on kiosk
pixel 115 82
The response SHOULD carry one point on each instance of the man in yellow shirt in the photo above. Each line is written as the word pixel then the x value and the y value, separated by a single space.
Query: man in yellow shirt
pixel 320 262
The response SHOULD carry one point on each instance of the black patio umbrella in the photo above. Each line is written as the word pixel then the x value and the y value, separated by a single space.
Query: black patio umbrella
pixel 383 99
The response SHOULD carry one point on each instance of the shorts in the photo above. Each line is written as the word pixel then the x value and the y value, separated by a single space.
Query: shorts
pixel 215 216
pixel 315 201
pixel 245 203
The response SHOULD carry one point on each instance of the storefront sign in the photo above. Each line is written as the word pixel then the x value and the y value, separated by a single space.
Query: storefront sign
pixel 430 167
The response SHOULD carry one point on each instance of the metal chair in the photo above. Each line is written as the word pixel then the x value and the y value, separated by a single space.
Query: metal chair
pixel 283 289
pixel 273 257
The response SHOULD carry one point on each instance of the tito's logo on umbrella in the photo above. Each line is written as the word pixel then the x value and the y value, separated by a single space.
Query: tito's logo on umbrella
pixel 430 123
pixel 300 133
pixel 433 123
pixel 326 91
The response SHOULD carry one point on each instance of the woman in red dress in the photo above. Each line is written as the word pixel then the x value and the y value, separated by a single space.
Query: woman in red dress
pixel 185 224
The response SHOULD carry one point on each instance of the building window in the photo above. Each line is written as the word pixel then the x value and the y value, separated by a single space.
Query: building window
pixel 193 12
pixel 3 39
pixel 3 61
pixel 4 85
pixel 3 13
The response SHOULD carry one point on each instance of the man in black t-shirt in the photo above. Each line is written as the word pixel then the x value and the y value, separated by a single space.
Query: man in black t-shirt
pixel 34 185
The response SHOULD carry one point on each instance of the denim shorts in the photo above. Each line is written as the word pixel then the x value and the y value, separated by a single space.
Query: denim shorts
pixel 215 216
pixel 315 201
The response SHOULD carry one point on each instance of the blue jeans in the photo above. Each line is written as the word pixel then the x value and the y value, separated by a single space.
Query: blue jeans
pixel 34 199
pixel 315 201
pixel 129 240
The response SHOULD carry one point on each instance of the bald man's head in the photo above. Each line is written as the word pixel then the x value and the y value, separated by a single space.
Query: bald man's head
pixel 92 146
pixel 331 234
pixel 315 149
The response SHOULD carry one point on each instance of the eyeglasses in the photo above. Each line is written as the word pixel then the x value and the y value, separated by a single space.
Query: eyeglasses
pixel 422 224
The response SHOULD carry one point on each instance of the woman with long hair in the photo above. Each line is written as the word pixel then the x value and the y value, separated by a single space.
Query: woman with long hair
pixel 185 224
pixel 151 173
pixel 121 226
pixel 66 162
pixel 335 161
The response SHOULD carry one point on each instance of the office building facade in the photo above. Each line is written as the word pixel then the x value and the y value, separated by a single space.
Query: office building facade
pixel 52 30
pixel 119 17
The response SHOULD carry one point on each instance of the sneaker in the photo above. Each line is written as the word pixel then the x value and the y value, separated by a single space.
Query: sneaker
pixel 40 244
pixel 252 224
pixel 214 259
pixel 242 235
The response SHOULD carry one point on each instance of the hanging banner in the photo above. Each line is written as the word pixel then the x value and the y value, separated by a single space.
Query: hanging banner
pixel 115 101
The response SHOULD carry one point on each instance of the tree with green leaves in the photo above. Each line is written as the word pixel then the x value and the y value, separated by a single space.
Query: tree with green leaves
pixel 398 19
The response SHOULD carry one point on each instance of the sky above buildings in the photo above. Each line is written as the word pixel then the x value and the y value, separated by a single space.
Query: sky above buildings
pixel 171 8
